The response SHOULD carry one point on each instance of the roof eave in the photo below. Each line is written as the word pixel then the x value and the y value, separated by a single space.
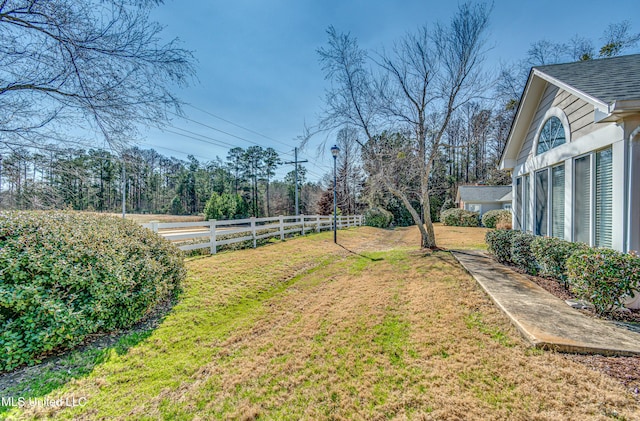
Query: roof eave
pixel 618 110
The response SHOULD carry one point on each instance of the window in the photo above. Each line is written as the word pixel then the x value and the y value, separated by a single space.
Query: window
pixel 557 201
pixel 549 202
pixel 603 198
pixel 593 216
pixel 582 199
pixel 551 135
pixel 474 207
pixel 542 207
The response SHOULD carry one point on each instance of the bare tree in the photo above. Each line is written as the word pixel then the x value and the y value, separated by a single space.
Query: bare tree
pixel 545 52
pixel 415 90
pixel 617 38
pixel 95 65
pixel 581 48
pixel 349 171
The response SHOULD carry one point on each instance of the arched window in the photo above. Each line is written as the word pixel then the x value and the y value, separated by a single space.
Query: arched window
pixel 551 135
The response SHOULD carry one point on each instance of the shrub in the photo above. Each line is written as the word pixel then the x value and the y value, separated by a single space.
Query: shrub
pixel 504 221
pixel 67 275
pixel 499 244
pixel 491 218
pixel 448 204
pixel 457 217
pixel 378 217
pixel 604 277
pixel 552 254
pixel 225 206
pixel 521 254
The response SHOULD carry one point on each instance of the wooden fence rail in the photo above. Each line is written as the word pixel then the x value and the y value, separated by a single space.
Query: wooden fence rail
pixel 213 233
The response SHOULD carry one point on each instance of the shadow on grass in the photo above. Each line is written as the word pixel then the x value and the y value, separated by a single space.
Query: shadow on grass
pixel 39 380
pixel 372 259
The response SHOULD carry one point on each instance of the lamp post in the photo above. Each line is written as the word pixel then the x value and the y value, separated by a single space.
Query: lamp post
pixel 334 151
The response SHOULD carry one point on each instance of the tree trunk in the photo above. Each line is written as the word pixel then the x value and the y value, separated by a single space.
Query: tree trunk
pixel 429 236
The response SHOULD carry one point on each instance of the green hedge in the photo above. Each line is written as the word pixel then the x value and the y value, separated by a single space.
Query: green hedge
pixel 603 277
pixel 491 218
pixel 378 217
pixel 499 244
pixel 521 254
pixel 66 275
pixel 512 247
pixel 552 253
pixel 457 217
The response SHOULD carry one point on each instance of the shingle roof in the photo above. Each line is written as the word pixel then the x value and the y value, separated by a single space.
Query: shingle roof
pixel 483 193
pixel 609 79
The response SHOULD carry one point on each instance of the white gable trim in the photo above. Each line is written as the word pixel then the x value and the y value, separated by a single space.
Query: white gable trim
pixel 588 98
pixel 529 103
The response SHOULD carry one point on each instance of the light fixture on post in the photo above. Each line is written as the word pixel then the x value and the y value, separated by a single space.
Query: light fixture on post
pixel 334 151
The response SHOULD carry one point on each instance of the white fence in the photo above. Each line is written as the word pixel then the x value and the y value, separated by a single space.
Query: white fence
pixel 213 233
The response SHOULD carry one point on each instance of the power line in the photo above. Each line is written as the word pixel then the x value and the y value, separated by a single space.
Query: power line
pixel 239 126
pixel 217 142
pixel 210 141
pixel 224 132
pixel 240 137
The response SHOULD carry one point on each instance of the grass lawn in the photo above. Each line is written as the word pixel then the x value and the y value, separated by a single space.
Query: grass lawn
pixel 372 328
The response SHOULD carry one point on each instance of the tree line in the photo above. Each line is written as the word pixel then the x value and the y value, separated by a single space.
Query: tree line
pixel 95 180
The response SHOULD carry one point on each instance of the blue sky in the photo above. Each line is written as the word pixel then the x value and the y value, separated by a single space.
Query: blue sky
pixel 257 65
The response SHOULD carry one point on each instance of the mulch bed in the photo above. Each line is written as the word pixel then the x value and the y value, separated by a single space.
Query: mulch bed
pixel 626 370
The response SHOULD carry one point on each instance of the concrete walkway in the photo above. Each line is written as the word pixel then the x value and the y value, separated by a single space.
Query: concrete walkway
pixel 543 319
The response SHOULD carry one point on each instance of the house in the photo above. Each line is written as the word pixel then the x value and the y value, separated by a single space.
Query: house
pixel 483 198
pixel 574 153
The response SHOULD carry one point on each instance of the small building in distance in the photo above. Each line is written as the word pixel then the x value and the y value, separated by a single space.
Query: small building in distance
pixel 481 199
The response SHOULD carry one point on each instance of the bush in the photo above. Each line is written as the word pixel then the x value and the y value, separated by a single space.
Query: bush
pixel 499 244
pixel 448 204
pixel 378 217
pixel 521 254
pixel 226 206
pixel 504 221
pixel 491 218
pixel 457 217
pixel 552 254
pixel 604 277
pixel 67 275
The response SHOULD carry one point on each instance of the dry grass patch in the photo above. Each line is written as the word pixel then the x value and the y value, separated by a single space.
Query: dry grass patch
pixel 308 330
pixel 460 237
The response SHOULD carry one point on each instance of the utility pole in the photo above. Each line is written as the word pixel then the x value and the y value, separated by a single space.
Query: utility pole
pixel 296 162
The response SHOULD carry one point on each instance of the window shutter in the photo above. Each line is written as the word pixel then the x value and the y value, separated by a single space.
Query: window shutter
pixel 604 178
pixel 582 199
pixel 557 201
